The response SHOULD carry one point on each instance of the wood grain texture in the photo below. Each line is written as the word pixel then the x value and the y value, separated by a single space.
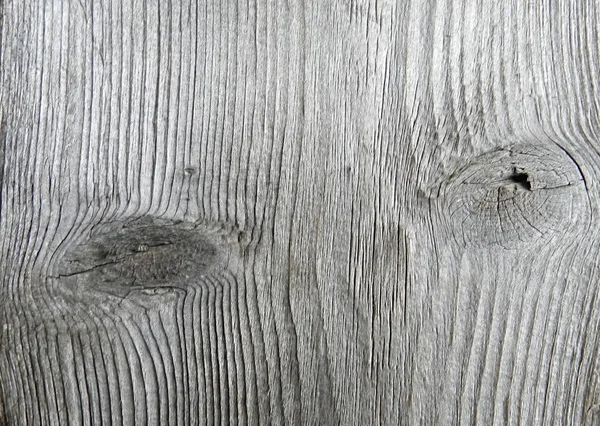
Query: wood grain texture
pixel 291 212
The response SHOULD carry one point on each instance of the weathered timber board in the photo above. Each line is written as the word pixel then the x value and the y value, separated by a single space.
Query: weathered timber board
pixel 299 212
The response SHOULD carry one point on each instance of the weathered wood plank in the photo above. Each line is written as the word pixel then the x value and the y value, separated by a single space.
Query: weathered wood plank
pixel 290 212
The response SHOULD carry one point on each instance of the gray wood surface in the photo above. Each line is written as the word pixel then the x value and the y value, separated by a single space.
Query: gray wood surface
pixel 357 212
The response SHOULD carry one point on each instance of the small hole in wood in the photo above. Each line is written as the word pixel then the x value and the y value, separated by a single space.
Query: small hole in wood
pixel 521 179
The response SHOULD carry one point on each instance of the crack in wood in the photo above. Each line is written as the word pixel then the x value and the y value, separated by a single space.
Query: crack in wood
pixel 2 145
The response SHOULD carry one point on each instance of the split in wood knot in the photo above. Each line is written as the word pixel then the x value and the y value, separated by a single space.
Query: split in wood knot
pixel 511 197
pixel 144 257
pixel 521 179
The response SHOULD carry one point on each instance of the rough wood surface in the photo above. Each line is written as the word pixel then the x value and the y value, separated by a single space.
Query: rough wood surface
pixel 358 212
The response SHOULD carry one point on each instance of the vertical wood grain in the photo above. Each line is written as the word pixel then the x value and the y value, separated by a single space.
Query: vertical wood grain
pixel 291 212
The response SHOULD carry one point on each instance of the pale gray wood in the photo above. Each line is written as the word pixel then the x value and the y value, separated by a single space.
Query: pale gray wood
pixel 292 212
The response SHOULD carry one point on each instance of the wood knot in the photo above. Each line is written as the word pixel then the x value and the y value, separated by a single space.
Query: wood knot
pixel 510 197
pixel 140 258
pixel 190 170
